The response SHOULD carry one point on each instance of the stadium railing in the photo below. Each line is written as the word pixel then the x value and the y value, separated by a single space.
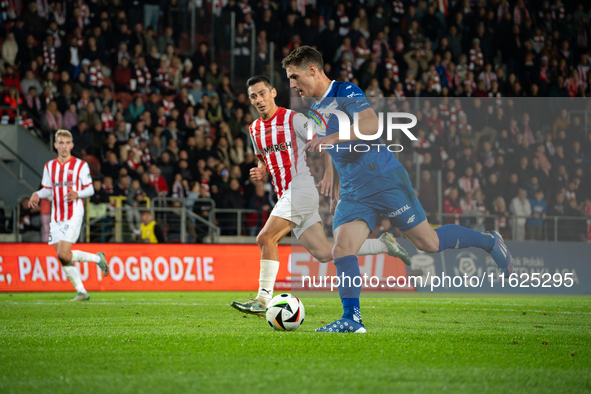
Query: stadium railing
pixel 554 228
pixel 109 223
pixel 105 222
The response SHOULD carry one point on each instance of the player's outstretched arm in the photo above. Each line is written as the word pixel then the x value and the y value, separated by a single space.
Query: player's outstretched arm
pixel 325 183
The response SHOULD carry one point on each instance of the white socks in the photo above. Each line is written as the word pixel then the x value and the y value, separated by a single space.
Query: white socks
pixel 372 246
pixel 73 275
pixel 269 269
pixel 79 256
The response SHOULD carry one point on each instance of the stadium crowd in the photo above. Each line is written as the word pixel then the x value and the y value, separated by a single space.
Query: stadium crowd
pixel 153 120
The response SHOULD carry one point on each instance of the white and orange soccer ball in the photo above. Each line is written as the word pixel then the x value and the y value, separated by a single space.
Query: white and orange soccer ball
pixel 285 312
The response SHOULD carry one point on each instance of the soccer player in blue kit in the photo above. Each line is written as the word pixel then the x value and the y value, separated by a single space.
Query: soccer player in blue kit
pixel 371 183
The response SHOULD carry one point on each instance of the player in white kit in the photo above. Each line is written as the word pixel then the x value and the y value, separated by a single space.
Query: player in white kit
pixel 279 137
pixel 67 179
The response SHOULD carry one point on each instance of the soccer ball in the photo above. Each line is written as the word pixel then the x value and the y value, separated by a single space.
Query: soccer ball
pixel 285 312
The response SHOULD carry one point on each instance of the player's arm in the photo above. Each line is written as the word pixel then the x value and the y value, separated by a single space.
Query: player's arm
pixel 326 183
pixel 336 188
pixel 44 192
pixel 354 103
pixel 86 190
pixel 305 131
pixel 368 125
pixel 257 173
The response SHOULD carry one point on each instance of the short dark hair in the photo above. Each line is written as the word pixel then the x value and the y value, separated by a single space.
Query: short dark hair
pixel 258 79
pixel 303 57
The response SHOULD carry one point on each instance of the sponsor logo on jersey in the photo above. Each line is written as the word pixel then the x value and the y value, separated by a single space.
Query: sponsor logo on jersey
pixel 399 211
pixel 277 148
pixel 410 219
pixel 62 184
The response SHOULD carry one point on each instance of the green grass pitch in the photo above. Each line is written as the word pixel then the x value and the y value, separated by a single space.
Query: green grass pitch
pixel 195 343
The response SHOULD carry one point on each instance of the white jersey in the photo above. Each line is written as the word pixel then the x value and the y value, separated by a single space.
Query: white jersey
pixel 74 174
pixel 280 142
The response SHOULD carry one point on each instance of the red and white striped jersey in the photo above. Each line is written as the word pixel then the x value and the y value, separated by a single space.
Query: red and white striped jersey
pixel 391 64
pixel 280 142
pixel 74 174
pixel 487 78
pixel 476 59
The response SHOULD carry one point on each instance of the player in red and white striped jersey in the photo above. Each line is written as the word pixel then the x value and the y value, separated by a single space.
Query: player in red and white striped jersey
pixel 67 180
pixel 277 145
pixel 279 137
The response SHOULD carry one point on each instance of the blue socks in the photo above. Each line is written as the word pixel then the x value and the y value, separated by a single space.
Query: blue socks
pixel 349 286
pixel 452 236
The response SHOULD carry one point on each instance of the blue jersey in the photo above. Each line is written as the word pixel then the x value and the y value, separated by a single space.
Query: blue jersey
pixel 355 166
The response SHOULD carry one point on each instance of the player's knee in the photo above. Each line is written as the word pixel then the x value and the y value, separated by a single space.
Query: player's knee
pixel 265 239
pixel 323 257
pixel 339 251
pixel 64 257
pixel 430 245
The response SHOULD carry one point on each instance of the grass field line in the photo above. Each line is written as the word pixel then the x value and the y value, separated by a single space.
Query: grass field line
pixel 432 307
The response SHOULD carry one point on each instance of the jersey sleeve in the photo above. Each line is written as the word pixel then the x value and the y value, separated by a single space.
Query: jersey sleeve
pixel 352 99
pixel 85 178
pixel 46 179
pixel 302 127
pixel 255 148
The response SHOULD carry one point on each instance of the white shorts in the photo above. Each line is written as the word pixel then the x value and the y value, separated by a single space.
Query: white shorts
pixel 300 208
pixel 68 230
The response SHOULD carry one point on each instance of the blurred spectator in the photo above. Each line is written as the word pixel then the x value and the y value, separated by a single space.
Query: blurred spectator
pixel 53 118
pixel 259 201
pixel 520 207
pixel 151 232
pixel 451 206
pixel 428 193
pixel 535 224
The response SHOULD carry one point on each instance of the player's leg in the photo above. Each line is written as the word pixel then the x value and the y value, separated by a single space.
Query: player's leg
pixel 411 220
pixel 315 242
pixel 268 239
pixel 452 236
pixel 71 235
pixel 64 255
pixel 348 239
pixel 352 223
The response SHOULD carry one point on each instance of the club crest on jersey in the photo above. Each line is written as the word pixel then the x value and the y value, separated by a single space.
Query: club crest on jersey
pixel 276 148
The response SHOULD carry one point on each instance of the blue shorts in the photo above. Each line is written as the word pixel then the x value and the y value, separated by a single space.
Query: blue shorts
pixel 390 194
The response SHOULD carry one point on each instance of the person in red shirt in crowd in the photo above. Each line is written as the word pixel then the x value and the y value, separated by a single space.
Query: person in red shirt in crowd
pixel 158 181
pixel 10 80
pixel 451 205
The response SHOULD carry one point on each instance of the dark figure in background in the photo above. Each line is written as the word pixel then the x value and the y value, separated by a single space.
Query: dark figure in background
pixel 259 201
